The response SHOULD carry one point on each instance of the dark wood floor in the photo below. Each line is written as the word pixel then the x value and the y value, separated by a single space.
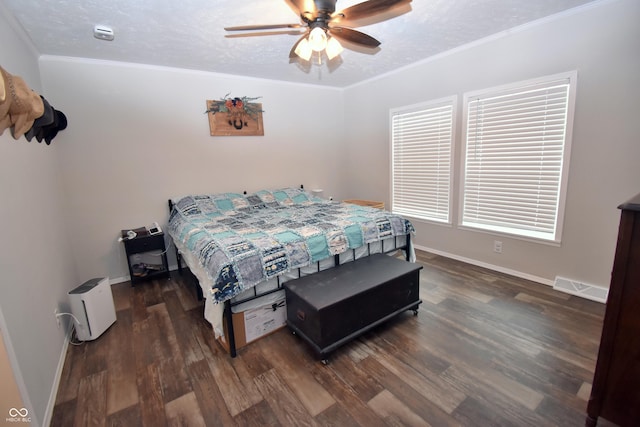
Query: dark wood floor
pixel 485 349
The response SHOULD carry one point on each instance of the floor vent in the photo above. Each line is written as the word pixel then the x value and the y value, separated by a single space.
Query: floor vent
pixel 594 293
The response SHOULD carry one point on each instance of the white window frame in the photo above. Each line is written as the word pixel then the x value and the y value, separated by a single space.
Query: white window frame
pixel 451 102
pixel 549 237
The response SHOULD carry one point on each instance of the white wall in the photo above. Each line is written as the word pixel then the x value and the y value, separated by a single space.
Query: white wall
pixel 601 42
pixel 138 135
pixel 36 261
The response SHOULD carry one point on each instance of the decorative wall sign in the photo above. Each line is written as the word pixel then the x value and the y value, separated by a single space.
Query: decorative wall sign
pixel 235 116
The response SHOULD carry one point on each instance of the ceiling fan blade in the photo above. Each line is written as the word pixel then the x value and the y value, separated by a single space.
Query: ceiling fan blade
pixel 366 9
pixel 263 33
pixel 302 6
pixel 353 36
pixel 262 27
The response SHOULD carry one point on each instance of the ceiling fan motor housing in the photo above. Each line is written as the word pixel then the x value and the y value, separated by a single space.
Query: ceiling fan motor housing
pixel 327 6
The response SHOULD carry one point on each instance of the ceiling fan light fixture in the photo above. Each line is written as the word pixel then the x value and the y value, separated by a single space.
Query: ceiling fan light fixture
pixel 318 39
pixel 334 48
pixel 303 50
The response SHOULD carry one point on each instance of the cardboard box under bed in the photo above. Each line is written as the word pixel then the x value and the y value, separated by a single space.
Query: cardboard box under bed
pixel 256 319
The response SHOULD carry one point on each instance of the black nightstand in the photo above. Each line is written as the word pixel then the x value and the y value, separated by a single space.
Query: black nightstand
pixel 146 257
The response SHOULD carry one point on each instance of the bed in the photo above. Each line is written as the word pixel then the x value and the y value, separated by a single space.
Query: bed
pixel 243 247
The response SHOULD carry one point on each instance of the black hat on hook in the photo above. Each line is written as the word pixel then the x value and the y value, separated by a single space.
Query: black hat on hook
pixel 46 119
pixel 49 132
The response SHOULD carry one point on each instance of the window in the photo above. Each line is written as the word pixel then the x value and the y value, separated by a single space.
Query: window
pixel 516 155
pixel 421 141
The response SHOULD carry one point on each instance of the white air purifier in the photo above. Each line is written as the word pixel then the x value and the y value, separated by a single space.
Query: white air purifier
pixel 92 305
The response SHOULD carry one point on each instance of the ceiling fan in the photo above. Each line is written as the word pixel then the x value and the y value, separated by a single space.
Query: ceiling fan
pixel 324 26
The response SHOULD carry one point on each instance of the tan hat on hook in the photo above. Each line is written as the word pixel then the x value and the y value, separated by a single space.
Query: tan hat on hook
pixel 5 101
pixel 26 106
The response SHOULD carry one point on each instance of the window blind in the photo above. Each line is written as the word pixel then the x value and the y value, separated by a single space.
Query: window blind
pixel 514 159
pixel 421 161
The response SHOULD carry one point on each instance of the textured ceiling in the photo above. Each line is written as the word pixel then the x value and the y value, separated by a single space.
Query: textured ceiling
pixel 189 33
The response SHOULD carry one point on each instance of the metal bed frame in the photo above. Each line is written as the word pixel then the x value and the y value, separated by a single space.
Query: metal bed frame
pixel 230 303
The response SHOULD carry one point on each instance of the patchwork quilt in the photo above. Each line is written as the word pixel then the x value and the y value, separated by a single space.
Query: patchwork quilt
pixel 241 240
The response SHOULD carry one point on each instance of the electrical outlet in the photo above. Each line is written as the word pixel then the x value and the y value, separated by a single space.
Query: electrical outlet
pixel 56 313
pixel 497 246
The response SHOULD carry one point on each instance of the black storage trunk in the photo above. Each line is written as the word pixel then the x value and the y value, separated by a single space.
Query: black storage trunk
pixel 334 306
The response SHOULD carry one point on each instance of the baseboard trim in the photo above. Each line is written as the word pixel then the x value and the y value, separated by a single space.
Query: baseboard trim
pixel 526 276
pixel 48 414
pixel 590 292
pixel 116 280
